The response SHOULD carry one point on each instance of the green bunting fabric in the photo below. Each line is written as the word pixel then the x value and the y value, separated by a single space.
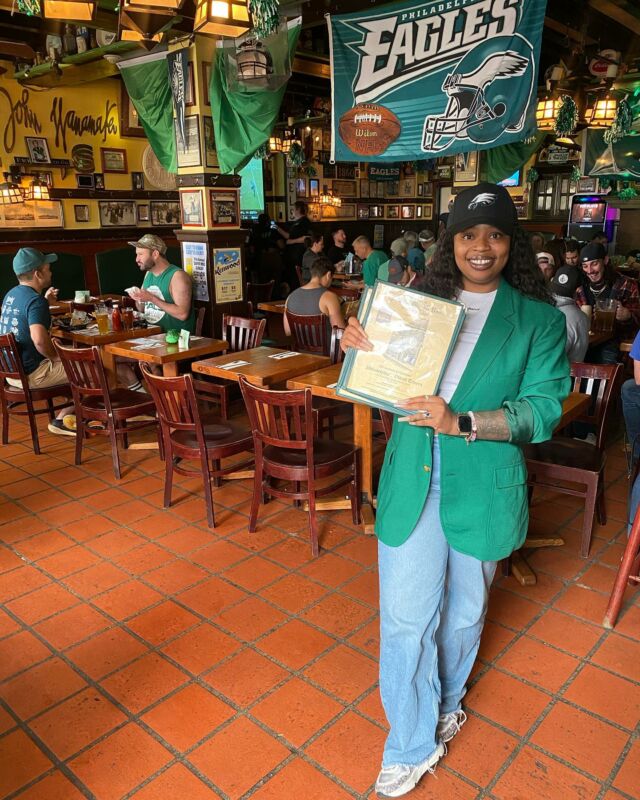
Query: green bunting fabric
pixel 500 162
pixel 243 120
pixel 147 82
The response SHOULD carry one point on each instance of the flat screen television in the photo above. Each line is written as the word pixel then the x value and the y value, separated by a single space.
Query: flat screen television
pixel 252 189
pixel 588 213
pixel 512 180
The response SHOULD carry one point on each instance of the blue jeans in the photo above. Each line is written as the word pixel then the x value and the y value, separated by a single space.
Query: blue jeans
pixel 433 602
pixel 631 410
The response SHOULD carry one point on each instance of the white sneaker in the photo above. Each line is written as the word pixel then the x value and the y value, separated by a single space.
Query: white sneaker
pixel 399 779
pixel 450 724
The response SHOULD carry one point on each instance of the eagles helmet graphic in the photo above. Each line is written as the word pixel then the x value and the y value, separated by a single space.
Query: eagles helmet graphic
pixel 481 90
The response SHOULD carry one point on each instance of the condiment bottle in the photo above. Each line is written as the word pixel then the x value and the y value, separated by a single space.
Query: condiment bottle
pixel 116 318
pixel 69 40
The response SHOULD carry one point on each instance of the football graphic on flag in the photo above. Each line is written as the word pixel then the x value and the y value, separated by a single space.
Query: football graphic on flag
pixel 368 129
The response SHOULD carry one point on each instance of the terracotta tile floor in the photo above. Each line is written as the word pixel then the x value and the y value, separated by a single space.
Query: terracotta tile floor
pixel 144 656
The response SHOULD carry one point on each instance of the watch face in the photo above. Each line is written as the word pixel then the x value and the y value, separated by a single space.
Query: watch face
pixel 464 423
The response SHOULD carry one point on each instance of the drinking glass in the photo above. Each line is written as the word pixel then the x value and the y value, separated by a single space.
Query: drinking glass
pixel 102 318
pixel 605 314
pixel 127 318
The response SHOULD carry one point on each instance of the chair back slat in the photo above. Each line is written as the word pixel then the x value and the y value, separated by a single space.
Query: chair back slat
pixel 310 332
pixel 279 418
pixel 85 371
pixel 10 360
pixel 598 381
pixel 241 333
pixel 175 401
pixel 200 314
pixel 335 351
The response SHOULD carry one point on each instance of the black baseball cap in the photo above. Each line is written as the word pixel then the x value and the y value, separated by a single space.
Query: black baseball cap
pixel 592 252
pixel 484 204
pixel 565 282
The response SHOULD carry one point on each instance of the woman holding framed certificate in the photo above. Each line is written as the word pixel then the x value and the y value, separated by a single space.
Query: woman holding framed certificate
pixel 452 499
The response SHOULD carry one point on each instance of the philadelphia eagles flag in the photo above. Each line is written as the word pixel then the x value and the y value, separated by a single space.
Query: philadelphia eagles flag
pixel 415 80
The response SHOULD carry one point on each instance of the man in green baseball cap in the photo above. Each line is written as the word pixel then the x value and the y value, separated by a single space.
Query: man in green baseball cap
pixel 25 314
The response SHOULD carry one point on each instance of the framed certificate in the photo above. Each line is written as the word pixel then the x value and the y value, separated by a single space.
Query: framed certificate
pixel 413 335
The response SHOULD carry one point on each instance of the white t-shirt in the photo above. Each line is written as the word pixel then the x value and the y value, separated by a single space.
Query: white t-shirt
pixel 478 305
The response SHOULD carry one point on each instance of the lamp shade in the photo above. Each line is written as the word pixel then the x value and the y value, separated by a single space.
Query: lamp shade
pixel 37 190
pixel 74 10
pixel 546 112
pixel 275 144
pixel 603 112
pixel 152 5
pixel 10 193
pixel 221 17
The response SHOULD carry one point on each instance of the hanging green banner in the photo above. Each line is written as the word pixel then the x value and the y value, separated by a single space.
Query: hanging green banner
pixel 414 80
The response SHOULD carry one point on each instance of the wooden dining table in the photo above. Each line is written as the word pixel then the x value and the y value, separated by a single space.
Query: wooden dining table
pixel 261 366
pixel 274 312
pixel 153 349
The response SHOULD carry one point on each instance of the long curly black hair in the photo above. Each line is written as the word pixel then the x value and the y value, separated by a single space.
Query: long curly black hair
pixel 444 278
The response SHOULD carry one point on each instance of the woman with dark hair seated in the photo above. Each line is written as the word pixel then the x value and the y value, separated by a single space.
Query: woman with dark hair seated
pixel 315 246
pixel 315 298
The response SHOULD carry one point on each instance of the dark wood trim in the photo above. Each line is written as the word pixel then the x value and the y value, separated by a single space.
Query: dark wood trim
pixel 209 179
pixel 111 194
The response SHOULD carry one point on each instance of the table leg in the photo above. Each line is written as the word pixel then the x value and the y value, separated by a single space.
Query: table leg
pixel 109 363
pixel 363 438
pixel 521 571
pixel 170 369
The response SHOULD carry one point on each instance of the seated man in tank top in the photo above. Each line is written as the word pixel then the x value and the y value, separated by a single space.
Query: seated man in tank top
pixel 315 298
pixel 166 296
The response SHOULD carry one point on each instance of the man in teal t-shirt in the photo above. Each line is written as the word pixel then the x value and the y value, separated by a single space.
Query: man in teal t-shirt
pixel 371 259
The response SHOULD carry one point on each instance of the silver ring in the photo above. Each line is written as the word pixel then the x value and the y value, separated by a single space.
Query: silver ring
pixel 426 413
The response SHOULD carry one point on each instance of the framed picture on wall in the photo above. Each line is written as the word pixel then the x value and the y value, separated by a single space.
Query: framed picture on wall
pixel 364 187
pixel 428 188
pixel 38 149
pixel 98 179
pixel 427 211
pixel 137 181
pixel 192 209
pixel 418 212
pixel 301 187
pixel 129 120
pixel 117 213
pixel 393 212
pixel 210 155
pixel 189 87
pixel 114 159
pixel 408 187
pixel 85 181
pixel 466 168
pixel 165 212
pixel 314 187
pixel 46 177
pixel 587 185
pixel 189 151
pixel 363 212
pixel 376 211
pixel 143 212
pixel 206 80
pixel 81 213
pixel 408 212
pixel 225 208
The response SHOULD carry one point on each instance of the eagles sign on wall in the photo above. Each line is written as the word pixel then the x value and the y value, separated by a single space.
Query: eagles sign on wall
pixel 425 79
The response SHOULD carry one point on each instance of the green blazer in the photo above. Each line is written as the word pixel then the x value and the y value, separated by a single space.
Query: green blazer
pixel 519 364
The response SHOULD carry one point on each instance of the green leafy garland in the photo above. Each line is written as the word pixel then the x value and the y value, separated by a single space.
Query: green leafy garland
pixel 29 7
pixel 263 151
pixel 295 156
pixel 532 176
pixel 575 174
pixel 266 16
pixel 567 119
pixel 621 125
pixel 627 194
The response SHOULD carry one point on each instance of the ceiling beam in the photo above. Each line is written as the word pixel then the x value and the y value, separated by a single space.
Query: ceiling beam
pixel 620 11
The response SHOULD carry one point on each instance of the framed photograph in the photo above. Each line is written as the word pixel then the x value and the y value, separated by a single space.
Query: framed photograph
pixel 466 168
pixel 408 187
pixel 129 121
pixel 363 212
pixel 427 211
pixel 206 80
pixel 376 211
pixel 443 172
pixel 329 171
pixel 301 187
pixel 380 190
pixel 427 189
pixel 38 149
pixel 143 212
pixel 344 188
pixel 364 187
pixel 408 212
pixel 225 208
pixel 391 188
pixel 114 159
pixel 117 213
pixel 522 209
pixel 421 190
pixel 165 212
pixel 393 212
pixel 85 182
pixel 98 180
pixel 326 139
pixel 189 87
pixel 137 181
pixel 33 214
pixel 587 185
pixel 314 187
pixel 346 211
pixel 418 212
pixel 192 208
pixel 210 155
pixel 46 177
pixel 189 151
pixel 81 213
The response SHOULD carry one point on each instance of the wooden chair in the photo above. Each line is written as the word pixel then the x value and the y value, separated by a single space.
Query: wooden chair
pixel 310 332
pixel 565 459
pixel 301 280
pixel 12 398
pixel 93 400
pixel 260 292
pixel 200 320
pixel 240 334
pixel 628 573
pixel 186 437
pixel 88 308
pixel 287 449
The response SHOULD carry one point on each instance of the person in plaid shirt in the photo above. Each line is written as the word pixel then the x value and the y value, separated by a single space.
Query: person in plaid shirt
pixel 603 284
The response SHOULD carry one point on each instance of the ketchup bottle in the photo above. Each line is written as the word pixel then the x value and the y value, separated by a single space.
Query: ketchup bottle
pixel 116 318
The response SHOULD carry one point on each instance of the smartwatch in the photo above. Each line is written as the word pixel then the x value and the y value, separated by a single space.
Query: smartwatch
pixel 467 426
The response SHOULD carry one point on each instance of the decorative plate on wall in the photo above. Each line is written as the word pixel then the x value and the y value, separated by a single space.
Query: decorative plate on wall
pixel 156 174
